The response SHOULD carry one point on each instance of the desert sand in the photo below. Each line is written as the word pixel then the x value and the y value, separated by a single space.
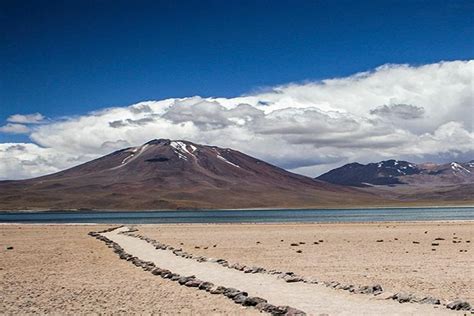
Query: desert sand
pixel 365 253
pixel 59 269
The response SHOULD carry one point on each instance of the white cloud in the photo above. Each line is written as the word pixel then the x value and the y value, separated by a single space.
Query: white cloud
pixel 14 129
pixel 34 118
pixel 394 111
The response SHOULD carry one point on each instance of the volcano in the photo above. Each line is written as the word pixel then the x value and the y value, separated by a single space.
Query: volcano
pixel 167 174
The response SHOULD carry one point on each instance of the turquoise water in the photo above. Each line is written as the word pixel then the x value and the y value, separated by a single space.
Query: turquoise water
pixel 244 216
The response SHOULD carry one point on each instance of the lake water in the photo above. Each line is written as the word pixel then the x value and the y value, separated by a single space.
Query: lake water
pixel 244 216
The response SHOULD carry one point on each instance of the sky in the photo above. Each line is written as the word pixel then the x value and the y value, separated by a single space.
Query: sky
pixel 306 85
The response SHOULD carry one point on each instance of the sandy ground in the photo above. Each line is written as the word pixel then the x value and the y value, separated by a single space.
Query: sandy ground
pixel 61 270
pixel 314 299
pixel 347 253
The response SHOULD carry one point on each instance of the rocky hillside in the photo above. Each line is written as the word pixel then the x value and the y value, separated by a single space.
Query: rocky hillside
pixel 165 174
pixel 396 172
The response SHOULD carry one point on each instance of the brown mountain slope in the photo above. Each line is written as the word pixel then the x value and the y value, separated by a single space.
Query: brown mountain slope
pixel 164 174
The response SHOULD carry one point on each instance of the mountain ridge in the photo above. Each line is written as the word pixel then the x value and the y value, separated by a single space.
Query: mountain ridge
pixel 173 174
pixel 398 172
pixel 178 174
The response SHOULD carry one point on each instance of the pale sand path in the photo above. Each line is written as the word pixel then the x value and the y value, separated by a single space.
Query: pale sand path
pixel 312 298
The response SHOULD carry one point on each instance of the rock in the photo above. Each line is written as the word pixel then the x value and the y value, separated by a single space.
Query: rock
pixel 299 251
pixel 10 248
pixel 291 311
pixel 174 277
pixel 157 271
pixel 217 290
pixel 439 238
pixel 193 283
pixel 238 266
pixel 294 244
pixel 206 286
pixel 416 242
pixel 459 305
pixel 231 292
pixel 271 309
pixel 253 301
pixel 239 298
pixel 434 244
pixel 370 289
pixel 290 278
pixel 402 297
pixel 348 287
pixel 184 279
pixel 430 300
pixel 264 307
pixel 380 240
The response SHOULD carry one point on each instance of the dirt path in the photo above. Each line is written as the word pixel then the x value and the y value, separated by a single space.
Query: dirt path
pixel 311 298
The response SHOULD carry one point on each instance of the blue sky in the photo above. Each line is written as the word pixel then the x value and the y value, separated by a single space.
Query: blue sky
pixel 69 57
pixel 64 59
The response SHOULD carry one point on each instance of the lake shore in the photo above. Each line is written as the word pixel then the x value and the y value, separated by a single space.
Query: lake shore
pixel 58 268
pixel 400 205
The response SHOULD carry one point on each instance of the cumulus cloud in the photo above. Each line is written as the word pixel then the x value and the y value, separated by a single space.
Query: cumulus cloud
pixel 34 118
pixel 393 111
pixel 400 111
pixel 14 129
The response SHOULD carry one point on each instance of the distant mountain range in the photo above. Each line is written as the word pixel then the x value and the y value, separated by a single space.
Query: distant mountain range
pixel 397 172
pixel 166 174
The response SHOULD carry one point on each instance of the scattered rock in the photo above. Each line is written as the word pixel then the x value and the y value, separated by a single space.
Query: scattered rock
pixel 217 289
pixel 184 279
pixel 429 300
pixel 294 244
pixel 10 248
pixel 239 298
pixel 253 301
pixel 193 283
pixel 402 297
pixel 416 242
pixel 380 240
pixel 207 286
pixel 231 292
pixel 459 305
pixel 434 244
pixel 290 278
pixel 290 311
pixel 369 289
pixel 299 251
pixel 439 238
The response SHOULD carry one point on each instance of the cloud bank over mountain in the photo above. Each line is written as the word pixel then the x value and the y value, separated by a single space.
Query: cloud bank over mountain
pixel 395 111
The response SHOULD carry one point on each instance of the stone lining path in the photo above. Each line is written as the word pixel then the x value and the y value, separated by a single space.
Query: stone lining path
pixel 314 299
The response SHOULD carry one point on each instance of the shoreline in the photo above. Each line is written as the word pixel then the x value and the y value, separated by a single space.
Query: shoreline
pixel 94 211
pixel 449 221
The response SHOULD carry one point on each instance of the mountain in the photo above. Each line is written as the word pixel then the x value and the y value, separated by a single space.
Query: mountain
pixel 399 173
pixel 165 174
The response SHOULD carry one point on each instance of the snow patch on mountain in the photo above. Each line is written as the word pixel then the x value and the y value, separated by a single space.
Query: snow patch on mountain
pixel 227 161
